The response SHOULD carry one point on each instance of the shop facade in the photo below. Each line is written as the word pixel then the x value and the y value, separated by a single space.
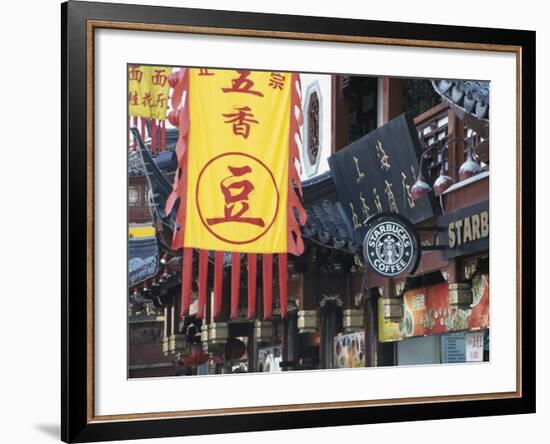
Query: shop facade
pixel 334 310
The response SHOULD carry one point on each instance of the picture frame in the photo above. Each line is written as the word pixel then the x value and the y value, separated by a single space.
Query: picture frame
pixel 80 22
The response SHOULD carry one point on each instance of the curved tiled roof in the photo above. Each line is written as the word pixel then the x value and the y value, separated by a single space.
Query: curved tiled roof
pixel 471 96
pixel 327 222
pixel 165 160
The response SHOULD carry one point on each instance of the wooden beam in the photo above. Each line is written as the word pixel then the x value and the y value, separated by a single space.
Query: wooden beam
pixel 392 98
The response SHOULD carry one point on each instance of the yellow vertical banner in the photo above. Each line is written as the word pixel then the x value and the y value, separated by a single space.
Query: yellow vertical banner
pixel 238 157
pixel 148 91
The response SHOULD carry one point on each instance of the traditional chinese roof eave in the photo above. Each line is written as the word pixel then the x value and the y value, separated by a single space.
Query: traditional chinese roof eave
pixel 327 223
pixel 158 172
pixel 469 99
pixel 164 160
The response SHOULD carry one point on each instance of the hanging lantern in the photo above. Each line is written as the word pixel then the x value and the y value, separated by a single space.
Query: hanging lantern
pixel 234 349
pixel 420 188
pixel 460 295
pixel 308 321
pixel 195 357
pixel 393 309
pixel 442 183
pixel 469 168
pixel 218 333
pixel 178 344
pixel 263 331
pixel 352 319
pixel 218 359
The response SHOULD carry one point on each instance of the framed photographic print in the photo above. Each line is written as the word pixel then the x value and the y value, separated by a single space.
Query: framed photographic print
pixel 275 221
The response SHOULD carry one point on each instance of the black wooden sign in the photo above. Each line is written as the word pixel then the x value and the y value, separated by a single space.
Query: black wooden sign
pixel 466 230
pixel 375 174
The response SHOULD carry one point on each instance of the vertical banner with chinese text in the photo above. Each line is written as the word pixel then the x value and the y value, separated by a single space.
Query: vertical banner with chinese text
pixel 148 94
pixel 237 175
pixel 238 161
pixel 148 91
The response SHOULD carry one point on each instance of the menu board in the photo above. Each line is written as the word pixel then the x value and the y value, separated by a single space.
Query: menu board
pixel 462 347
pixel 453 348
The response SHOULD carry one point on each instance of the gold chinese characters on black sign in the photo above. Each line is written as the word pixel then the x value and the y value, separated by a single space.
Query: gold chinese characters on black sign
pixel 375 174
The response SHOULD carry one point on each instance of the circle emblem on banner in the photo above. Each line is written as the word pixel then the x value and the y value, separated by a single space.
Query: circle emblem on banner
pixel 237 197
pixel 390 246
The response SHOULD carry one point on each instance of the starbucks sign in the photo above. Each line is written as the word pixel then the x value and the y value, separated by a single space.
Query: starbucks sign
pixel 391 246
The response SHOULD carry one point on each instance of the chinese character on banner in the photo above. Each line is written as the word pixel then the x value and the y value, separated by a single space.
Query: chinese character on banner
pixel 237 188
pixel 160 77
pixel 135 73
pixel 242 84
pixel 241 120
pixel 147 84
pixel 205 72
pixel 235 194
pixel 148 88
pixel 276 80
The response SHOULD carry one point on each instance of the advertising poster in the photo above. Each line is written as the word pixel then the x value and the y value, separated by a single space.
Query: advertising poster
pixel 349 350
pixel 269 359
pixel 427 311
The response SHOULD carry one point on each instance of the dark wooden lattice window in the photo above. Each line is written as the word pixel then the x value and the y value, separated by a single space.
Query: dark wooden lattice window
pixel 419 96
pixel 135 196
pixel 313 128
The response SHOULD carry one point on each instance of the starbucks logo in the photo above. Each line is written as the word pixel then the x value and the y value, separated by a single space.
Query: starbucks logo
pixel 390 246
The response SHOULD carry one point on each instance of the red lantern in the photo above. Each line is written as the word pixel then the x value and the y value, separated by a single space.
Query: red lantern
pixel 420 188
pixel 469 168
pixel 218 359
pixel 196 357
pixel 442 183
pixel 174 78
pixel 234 349
pixel 174 117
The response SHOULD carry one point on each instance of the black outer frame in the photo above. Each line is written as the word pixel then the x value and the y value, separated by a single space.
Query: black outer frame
pixel 74 424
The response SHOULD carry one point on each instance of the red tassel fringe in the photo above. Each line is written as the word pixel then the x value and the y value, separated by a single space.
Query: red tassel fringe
pixel 186 281
pixel 252 278
pixel 153 136
pixel 218 284
pixel 283 283
pixel 203 282
pixel 235 283
pixel 267 269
